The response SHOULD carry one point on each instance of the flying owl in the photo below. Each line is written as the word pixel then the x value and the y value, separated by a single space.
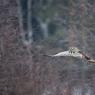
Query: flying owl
pixel 74 52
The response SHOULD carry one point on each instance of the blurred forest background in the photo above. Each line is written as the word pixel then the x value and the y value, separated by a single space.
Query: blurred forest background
pixel 31 28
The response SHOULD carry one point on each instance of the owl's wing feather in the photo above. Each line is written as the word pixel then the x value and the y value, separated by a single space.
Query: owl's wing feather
pixel 85 56
pixel 65 53
pixel 88 58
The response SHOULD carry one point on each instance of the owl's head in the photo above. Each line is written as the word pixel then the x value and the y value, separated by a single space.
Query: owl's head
pixel 74 50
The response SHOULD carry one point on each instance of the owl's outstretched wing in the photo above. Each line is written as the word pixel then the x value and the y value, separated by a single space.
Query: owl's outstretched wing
pixel 87 58
pixel 65 53
pixel 85 55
